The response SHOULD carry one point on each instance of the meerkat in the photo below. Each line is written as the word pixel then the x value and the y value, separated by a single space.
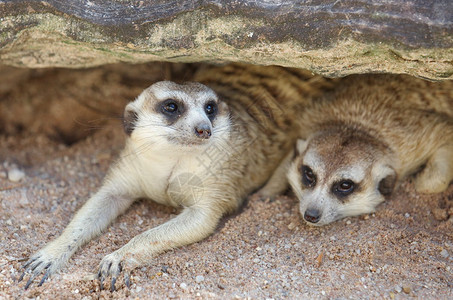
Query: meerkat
pixel 360 141
pixel 202 147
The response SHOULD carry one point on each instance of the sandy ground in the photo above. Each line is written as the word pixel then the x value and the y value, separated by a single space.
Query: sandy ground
pixel 264 251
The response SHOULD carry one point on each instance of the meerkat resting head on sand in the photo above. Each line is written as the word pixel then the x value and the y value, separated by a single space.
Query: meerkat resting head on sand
pixel 366 137
pixel 340 173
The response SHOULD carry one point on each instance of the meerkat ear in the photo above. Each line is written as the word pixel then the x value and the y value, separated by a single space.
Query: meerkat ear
pixel 223 107
pixel 130 118
pixel 387 182
pixel 301 145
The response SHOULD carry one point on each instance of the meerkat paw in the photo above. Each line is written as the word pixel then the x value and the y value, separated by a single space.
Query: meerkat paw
pixel 42 262
pixel 270 192
pixel 278 183
pixel 264 194
pixel 438 173
pixel 112 266
pixel 431 183
pixel 273 188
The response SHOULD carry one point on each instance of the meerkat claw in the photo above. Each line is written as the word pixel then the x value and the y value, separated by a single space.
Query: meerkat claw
pixel 46 275
pixel 109 268
pixel 101 283
pixel 21 277
pixel 30 281
pixel 28 263
pixel 44 278
pixel 32 267
pixel 112 284
pixel 101 278
pixel 127 280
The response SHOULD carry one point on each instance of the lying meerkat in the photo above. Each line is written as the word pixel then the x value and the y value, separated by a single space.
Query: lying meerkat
pixel 366 137
pixel 202 149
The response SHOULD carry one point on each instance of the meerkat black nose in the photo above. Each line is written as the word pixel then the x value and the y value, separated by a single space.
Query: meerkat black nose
pixel 312 215
pixel 203 131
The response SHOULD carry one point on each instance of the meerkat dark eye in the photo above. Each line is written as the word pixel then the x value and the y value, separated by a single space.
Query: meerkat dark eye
pixel 169 106
pixel 343 188
pixel 210 109
pixel 308 177
pixel 172 110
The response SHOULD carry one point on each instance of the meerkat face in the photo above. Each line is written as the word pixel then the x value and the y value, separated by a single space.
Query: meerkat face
pixel 176 116
pixel 335 176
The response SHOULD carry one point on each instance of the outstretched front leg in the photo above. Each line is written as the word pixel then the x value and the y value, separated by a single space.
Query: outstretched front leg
pixel 94 216
pixel 438 173
pixel 191 225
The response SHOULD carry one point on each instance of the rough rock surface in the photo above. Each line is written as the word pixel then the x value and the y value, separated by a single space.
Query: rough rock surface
pixel 329 37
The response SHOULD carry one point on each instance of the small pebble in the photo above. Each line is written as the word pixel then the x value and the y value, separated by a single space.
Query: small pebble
pixel 348 222
pixel 319 259
pixel 15 175
pixel 444 253
pixel 292 225
pixel 183 286
pixel 199 278
pixel 398 289
pixel 406 289
pixel 406 215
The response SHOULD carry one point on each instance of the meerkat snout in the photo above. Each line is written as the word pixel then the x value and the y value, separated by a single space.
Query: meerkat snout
pixel 203 130
pixel 312 215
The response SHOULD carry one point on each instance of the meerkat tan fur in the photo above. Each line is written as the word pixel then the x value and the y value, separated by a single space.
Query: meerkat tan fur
pixel 202 149
pixel 364 138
